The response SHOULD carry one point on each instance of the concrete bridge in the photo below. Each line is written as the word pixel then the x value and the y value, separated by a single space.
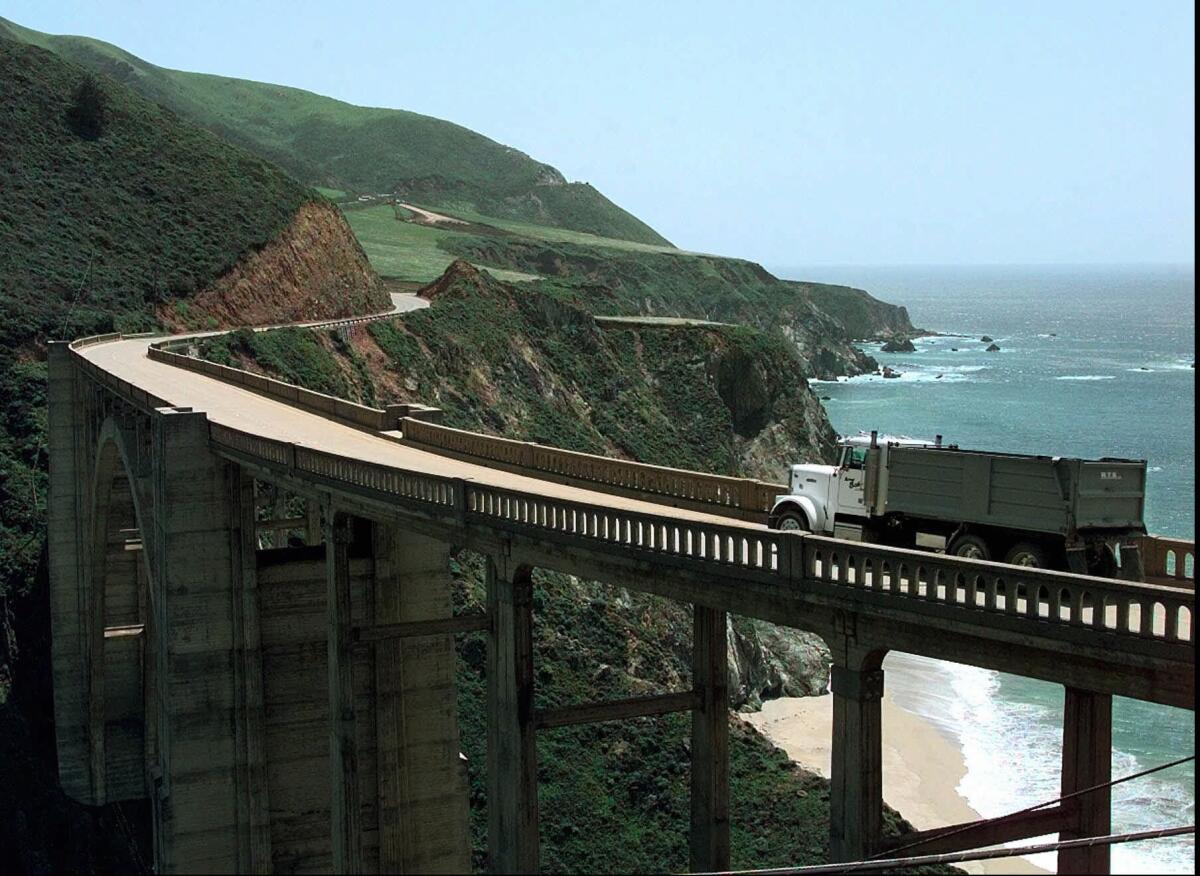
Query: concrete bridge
pixel 253 625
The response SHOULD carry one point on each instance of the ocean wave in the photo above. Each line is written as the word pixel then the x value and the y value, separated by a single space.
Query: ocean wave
pixel 1087 377
pixel 1012 749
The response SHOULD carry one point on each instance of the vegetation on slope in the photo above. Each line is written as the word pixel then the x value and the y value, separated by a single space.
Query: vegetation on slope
pixel 611 277
pixel 519 362
pixel 96 232
pixel 112 210
pixel 613 798
pixel 612 282
pixel 516 361
pixel 361 149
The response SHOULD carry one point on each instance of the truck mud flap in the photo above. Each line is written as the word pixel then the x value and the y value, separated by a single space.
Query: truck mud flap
pixel 1132 566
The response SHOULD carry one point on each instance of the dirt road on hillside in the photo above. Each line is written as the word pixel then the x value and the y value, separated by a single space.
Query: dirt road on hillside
pixel 428 217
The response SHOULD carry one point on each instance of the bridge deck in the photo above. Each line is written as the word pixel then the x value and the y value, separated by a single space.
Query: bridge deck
pixel 1034 622
pixel 250 412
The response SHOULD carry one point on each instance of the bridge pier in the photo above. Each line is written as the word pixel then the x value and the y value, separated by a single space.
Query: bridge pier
pixel 346 810
pixel 68 516
pixel 1087 762
pixel 709 842
pixel 856 771
pixel 250 725
pixel 422 795
pixel 511 737
pixel 197 812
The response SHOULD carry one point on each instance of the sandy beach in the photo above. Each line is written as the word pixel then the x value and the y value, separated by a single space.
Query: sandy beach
pixel 922 767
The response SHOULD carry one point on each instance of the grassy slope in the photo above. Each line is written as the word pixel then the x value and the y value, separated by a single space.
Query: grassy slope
pixel 93 233
pixel 406 250
pixel 341 146
pixel 616 277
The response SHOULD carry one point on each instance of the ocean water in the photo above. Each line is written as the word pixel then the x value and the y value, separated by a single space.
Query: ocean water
pixel 1093 362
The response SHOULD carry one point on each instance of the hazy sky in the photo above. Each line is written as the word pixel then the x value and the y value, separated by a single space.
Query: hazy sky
pixel 790 133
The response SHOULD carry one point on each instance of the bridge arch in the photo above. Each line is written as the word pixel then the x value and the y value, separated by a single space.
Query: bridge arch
pixel 122 702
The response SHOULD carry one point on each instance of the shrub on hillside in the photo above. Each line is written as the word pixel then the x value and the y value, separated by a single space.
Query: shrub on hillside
pixel 86 115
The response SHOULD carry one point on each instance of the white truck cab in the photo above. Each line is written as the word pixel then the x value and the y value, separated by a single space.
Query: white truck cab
pixel 832 499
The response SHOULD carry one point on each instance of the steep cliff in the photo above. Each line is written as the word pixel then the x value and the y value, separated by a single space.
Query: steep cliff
pixel 526 364
pixel 314 269
pixel 863 315
pixel 821 321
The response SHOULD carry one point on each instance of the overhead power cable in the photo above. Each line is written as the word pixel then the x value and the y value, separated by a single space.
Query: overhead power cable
pixel 881 866
pixel 1012 815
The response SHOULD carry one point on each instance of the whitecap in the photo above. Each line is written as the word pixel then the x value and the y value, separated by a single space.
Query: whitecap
pixel 1087 377
pixel 1012 752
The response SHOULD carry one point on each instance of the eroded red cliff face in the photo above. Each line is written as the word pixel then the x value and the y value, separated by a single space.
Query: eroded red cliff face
pixel 315 269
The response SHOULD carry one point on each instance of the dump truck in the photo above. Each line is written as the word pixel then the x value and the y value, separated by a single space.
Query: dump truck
pixel 1079 515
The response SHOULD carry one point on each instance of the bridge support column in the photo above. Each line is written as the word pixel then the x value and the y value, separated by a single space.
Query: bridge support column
pixel 856 775
pixel 67 513
pixel 250 726
pixel 1087 762
pixel 422 799
pixel 709 845
pixel 197 821
pixel 511 742
pixel 345 811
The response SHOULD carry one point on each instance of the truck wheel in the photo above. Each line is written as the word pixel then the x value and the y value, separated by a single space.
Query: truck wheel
pixel 969 546
pixel 792 521
pixel 1102 562
pixel 1028 554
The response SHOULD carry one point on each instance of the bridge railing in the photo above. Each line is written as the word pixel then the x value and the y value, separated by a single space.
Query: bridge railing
pixel 1146 611
pixel 1169 559
pixel 1041 601
pixel 976 588
pixel 428 492
pixel 347 412
pixel 741 498
pixel 133 394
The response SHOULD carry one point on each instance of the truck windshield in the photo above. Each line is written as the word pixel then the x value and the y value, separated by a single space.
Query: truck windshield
pixel 854 457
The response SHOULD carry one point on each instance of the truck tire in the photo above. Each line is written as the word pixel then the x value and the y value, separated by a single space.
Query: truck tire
pixel 792 521
pixel 1102 562
pixel 970 546
pixel 1029 554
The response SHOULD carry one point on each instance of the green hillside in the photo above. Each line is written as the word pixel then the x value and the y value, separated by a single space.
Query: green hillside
pixel 94 232
pixel 360 149
pixel 111 208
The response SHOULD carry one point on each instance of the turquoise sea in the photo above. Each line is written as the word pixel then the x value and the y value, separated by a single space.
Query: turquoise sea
pixel 1094 361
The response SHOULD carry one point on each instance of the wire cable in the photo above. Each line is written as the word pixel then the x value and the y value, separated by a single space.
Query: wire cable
pixel 877 866
pixel 1003 818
